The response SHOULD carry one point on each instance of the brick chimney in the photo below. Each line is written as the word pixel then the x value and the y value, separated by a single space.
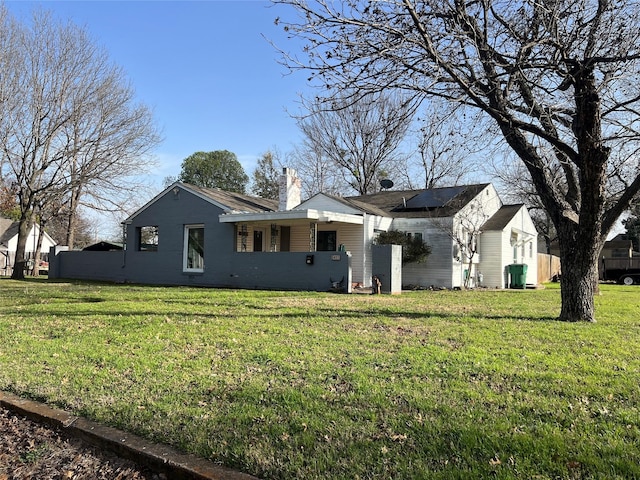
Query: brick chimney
pixel 289 189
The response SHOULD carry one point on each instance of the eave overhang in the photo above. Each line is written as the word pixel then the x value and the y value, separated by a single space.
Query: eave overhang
pixel 292 216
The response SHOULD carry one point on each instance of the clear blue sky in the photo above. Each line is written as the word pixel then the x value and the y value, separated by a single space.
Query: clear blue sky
pixel 205 68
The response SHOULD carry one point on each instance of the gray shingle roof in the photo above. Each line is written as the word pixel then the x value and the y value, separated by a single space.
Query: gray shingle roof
pixel 502 217
pixel 8 230
pixel 236 202
pixel 436 202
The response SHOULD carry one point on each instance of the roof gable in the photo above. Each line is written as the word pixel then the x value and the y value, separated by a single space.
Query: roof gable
pixel 8 229
pixel 325 201
pixel 501 219
pixel 229 202
pixel 438 202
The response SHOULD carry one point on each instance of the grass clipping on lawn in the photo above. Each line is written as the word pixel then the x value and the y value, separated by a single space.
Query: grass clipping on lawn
pixel 470 384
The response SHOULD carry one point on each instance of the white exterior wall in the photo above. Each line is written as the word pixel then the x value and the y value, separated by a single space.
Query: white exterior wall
pixel 527 251
pixel 498 252
pixel 32 242
pixel 324 203
pixel 496 255
pixel 470 219
pixel 438 270
pixel 441 268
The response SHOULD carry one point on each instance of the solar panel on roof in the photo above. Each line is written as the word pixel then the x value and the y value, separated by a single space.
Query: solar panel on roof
pixel 434 198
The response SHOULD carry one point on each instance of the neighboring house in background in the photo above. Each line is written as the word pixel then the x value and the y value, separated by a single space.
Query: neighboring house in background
pixel 619 262
pixel 9 242
pixel 104 246
pixel 617 247
pixel 189 235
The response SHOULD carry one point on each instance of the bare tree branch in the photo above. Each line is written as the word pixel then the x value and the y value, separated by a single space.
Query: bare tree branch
pixel 69 126
pixel 558 78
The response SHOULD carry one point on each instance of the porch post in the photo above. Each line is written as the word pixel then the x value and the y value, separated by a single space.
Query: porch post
pixel 313 235
pixel 273 239
pixel 243 237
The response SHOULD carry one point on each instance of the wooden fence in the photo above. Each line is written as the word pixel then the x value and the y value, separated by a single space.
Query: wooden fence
pixel 548 267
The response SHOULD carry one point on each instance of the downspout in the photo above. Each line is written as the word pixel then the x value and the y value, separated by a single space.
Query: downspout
pixel 124 244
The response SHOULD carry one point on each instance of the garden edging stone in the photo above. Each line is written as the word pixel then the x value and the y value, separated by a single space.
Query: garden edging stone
pixel 156 457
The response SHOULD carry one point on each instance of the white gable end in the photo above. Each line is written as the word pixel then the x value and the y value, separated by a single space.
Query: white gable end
pixel 320 201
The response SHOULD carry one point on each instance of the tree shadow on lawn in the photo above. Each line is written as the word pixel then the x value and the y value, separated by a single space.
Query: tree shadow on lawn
pixel 394 314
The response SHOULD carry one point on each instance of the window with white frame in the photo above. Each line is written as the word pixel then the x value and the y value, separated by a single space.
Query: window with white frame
pixel 193 248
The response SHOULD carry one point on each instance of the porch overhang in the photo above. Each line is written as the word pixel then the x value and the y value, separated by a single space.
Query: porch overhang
pixel 521 236
pixel 309 215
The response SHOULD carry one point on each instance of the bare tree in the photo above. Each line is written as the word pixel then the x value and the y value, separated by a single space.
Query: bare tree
pixel 361 136
pixel 557 78
pixel 68 126
pixel 110 137
pixel 317 172
pixel 445 139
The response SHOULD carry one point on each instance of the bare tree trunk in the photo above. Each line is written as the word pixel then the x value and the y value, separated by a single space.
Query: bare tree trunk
pixel 73 218
pixel 579 280
pixel 468 277
pixel 19 264
pixel 36 254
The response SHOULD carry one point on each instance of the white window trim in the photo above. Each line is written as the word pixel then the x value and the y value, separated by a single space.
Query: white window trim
pixel 186 248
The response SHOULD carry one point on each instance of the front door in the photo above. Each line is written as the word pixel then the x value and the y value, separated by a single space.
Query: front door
pixel 257 240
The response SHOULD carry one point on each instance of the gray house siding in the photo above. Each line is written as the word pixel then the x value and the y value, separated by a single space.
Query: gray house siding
pixel 223 266
pixel 288 270
pixel 170 214
pixel 101 266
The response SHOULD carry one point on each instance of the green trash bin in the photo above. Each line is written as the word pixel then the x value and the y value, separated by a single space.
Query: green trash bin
pixel 518 275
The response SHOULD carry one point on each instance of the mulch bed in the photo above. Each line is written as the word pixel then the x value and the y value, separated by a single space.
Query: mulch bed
pixel 29 450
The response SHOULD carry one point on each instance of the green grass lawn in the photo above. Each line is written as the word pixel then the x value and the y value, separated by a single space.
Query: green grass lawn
pixel 429 385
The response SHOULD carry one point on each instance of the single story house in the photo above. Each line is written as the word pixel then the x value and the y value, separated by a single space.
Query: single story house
pixel 617 247
pixel 9 243
pixel 198 236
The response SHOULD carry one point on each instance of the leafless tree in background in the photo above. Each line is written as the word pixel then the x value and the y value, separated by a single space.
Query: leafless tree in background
pixel 110 138
pixel 514 181
pixel 68 125
pixel 360 135
pixel 445 150
pixel 557 78
pixel 317 172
